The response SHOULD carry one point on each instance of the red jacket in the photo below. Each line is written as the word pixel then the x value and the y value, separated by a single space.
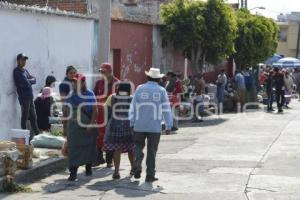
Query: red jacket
pixel 102 91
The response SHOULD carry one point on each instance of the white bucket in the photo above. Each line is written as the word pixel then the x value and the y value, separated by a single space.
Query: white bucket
pixel 19 134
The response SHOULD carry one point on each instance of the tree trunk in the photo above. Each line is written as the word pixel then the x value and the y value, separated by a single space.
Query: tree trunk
pixel 195 61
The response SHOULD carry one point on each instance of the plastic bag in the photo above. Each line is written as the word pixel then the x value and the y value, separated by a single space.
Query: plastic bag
pixel 45 140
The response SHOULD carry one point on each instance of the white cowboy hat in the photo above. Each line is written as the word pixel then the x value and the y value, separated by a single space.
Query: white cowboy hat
pixel 154 73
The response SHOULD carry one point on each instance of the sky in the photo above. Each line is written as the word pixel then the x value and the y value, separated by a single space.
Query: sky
pixel 273 7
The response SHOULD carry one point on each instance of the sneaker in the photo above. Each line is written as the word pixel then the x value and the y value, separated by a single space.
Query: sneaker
pixel 137 174
pixel 72 177
pixel 89 172
pixel 116 176
pixel 109 165
pixel 151 179
pixel 132 172
pixel 174 129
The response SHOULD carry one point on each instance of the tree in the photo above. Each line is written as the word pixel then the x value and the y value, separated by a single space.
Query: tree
pixel 205 32
pixel 257 39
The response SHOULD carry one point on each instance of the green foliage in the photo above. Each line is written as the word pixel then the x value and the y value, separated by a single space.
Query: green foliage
pixel 184 23
pixel 257 39
pixel 221 31
pixel 12 187
pixel 205 31
pixel 57 133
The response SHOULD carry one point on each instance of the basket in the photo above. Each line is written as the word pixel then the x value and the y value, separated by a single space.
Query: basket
pixel 2 165
pixel 25 157
pixel 8 156
pixel 10 166
pixel 4 145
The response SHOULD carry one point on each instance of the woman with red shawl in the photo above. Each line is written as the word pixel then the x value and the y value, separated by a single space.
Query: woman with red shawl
pixel 103 89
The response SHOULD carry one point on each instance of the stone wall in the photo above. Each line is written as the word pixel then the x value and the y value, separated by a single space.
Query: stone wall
pixel 141 11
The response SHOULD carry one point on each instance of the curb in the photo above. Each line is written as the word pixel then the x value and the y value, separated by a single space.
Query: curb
pixel 39 171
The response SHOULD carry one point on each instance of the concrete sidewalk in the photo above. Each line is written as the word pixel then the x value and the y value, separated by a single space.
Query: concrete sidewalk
pixel 236 157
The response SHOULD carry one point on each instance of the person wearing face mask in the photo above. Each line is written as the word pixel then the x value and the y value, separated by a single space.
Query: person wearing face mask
pixel 81 127
pixel 119 136
pixel 103 89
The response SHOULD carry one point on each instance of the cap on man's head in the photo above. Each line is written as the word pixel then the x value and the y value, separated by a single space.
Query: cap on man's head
pixel 22 56
pixel 105 67
pixel 78 77
pixel 170 73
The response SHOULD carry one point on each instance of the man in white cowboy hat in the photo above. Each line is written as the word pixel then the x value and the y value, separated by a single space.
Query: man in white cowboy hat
pixel 149 107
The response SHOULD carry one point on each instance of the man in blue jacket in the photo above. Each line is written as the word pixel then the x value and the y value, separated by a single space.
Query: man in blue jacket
pixel 149 107
pixel 24 81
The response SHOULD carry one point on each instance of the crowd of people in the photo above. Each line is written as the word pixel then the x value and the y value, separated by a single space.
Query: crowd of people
pixel 113 119
pixel 110 119
pixel 272 85
pixel 279 85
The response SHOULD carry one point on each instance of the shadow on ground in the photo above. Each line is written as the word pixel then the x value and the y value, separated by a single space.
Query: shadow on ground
pixel 205 123
pixel 126 188
pixel 64 184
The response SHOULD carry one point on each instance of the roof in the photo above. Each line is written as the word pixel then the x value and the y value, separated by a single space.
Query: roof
pixel 41 10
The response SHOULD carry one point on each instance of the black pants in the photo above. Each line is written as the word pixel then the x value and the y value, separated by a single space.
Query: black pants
pixel 73 170
pixel 152 146
pixel 270 100
pixel 280 99
pixel 28 113
pixel 109 157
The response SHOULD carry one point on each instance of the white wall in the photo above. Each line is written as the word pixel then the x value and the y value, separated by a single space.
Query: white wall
pixel 51 42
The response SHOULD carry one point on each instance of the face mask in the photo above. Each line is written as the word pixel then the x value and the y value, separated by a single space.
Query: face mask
pixel 123 93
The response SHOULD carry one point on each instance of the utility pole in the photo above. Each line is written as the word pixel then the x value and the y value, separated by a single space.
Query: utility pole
pixel 244 4
pixel 298 41
pixel 101 10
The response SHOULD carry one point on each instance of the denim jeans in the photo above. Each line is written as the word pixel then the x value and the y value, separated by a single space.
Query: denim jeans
pixel 152 146
pixel 28 113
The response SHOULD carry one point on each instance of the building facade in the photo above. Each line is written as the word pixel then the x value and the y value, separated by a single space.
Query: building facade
pixel 289 34
pixel 132 37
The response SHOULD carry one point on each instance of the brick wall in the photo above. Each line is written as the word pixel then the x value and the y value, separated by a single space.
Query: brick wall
pixel 78 6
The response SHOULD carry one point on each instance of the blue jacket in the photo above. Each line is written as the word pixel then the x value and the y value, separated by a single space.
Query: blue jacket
pixel 149 107
pixel 65 87
pixel 23 83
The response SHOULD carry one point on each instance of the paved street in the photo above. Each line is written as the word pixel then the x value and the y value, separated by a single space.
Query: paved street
pixel 236 157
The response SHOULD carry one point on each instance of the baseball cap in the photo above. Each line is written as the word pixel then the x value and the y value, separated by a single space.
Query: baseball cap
pixel 105 67
pixel 21 56
pixel 78 77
